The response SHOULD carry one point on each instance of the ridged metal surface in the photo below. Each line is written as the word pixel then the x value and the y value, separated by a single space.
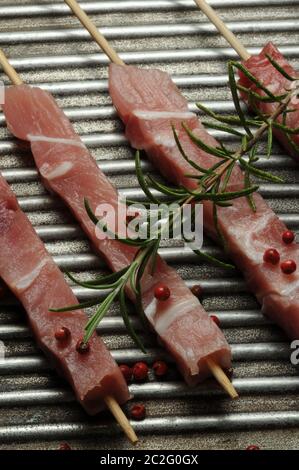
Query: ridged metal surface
pixel 137 57
pixel 139 31
pixel 50 49
pixel 56 8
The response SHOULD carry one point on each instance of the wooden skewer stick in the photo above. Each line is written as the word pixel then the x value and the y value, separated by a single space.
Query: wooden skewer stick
pixel 9 70
pixel 223 29
pixel 222 378
pixel 94 32
pixel 110 401
pixel 216 370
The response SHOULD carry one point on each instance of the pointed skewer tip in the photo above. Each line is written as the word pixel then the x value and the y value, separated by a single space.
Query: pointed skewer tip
pixel 121 418
pixel 222 378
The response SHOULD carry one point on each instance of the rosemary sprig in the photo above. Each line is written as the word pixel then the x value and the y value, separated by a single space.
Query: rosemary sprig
pixel 209 179
pixel 249 140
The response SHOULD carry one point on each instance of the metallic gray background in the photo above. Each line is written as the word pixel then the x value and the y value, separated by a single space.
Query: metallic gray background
pixel 37 408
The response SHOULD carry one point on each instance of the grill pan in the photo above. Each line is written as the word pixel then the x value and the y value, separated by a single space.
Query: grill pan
pixel 49 48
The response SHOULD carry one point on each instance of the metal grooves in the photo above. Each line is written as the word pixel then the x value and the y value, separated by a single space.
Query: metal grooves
pixel 56 8
pixel 36 406
pixel 86 86
pixel 137 31
pixel 36 203
pixel 241 352
pixel 154 390
pixel 108 112
pixel 104 139
pixel 112 168
pixel 181 424
pixel 146 57
pixel 229 319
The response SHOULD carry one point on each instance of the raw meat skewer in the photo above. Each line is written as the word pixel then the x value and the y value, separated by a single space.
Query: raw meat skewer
pixel 264 71
pixel 110 401
pixel 31 274
pixel 218 373
pixel 216 370
pixel 68 169
pixel 148 102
